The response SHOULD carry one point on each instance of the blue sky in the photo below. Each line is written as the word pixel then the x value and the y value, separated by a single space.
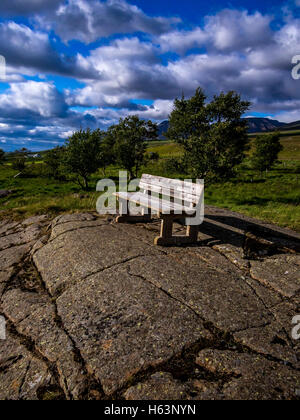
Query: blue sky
pixel 87 63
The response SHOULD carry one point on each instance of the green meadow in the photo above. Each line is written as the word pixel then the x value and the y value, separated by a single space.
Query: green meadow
pixel 272 196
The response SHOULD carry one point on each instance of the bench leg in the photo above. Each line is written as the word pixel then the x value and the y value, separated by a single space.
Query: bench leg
pixel 165 232
pixel 125 217
pixel 192 233
pixel 167 239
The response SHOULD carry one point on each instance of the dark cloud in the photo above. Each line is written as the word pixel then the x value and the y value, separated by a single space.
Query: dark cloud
pixel 24 48
pixel 27 7
pixel 91 20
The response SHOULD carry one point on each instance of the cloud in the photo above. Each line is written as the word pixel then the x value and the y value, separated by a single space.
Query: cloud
pixel 233 49
pixel 229 30
pixel 232 30
pixel 88 21
pixel 27 7
pixel 29 50
pixel 32 98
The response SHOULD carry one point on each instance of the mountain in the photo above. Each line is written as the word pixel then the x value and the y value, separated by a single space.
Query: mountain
pixel 263 125
pixel 256 125
pixel 292 126
pixel 162 128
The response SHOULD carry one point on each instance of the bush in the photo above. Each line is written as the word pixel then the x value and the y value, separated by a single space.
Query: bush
pixel 2 156
pixel 154 156
pixel 267 149
pixel 175 166
pixel 54 163
pixel 19 163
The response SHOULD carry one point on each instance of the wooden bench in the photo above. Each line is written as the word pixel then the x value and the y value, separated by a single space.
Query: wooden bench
pixel 171 200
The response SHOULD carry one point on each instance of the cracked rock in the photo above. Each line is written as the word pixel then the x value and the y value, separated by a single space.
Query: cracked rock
pixel 249 377
pixel 78 254
pixel 224 300
pixel 21 374
pixel 161 386
pixel 123 325
pixel 282 273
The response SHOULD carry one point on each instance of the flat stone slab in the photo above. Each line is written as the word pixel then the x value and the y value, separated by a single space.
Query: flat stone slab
pixel 22 375
pixel 95 311
pixel 250 377
pixel 224 300
pixel 81 252
pixel 123 325
pixel 161 386
pixel 282 273
pixel 12 256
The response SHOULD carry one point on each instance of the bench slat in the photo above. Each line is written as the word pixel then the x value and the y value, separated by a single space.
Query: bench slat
pixel 179 195
pixel 154 203
pixel 148 182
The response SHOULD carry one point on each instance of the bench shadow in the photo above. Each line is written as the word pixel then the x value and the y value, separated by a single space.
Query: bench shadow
pixel 224 234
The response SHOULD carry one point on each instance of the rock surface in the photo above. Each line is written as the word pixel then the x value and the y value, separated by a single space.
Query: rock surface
pixel 94 310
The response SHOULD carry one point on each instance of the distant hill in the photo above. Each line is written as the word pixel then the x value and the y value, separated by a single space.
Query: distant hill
pixel 263 125
pixel 256 125
pixel 292 126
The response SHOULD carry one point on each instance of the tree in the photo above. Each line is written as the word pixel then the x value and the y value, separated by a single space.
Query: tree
pixel 53 159
pixel 19 163
pixel 131 135
pixel 266 150
pixel 213 135
pixel 107 149
pixel 2 156
pixel 19 160
pixel 82 155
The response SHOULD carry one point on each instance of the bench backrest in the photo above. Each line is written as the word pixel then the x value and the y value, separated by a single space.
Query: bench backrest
pixel 179 191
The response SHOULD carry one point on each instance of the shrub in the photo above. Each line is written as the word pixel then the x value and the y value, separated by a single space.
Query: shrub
pixel 266 151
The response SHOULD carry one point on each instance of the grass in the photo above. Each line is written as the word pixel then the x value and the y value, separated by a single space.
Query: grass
pixel 273 197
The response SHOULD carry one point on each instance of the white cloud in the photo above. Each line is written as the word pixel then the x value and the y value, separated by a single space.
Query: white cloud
pixel 234 30
pixel 182 41
pixel 33 97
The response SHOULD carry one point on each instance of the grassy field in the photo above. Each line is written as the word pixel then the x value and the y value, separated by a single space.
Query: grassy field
pixel 273 197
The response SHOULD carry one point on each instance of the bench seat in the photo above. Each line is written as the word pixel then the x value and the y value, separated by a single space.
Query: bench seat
pixel 158 205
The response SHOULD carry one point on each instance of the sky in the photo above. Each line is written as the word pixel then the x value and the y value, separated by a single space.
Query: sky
pixel 74 64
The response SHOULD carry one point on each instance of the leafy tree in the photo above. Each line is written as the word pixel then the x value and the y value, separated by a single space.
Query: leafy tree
pixel 266 150
pixel 107 149
pixel 54 160
pixel 2 156
pixel 20 159
pixel 213 135
pixel 131 135
pixel 19 163
pixel 83 156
